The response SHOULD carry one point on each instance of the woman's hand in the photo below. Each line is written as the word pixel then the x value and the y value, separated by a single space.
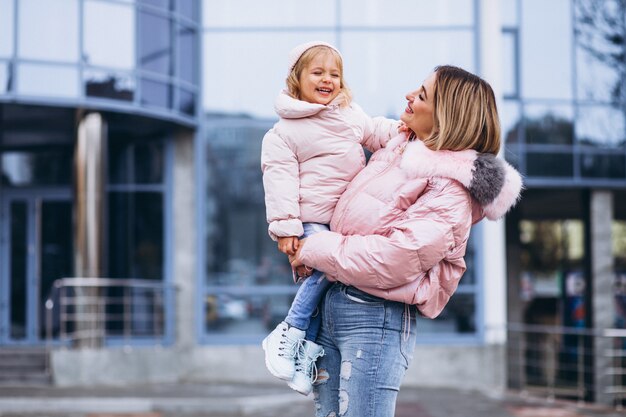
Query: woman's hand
pixel 288 245
pixel 301 269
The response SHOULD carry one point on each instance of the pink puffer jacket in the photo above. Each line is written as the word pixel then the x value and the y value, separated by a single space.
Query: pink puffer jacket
pixel 309 157
pixel 401 228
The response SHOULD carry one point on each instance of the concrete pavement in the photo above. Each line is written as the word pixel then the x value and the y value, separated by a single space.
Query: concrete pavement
pixel 227 400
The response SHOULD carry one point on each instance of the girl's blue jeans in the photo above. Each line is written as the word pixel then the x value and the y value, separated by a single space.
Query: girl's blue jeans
pixel 368 345
pixel 304 313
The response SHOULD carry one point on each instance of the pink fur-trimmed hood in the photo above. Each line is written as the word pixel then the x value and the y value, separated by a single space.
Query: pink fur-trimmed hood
pixel 492 182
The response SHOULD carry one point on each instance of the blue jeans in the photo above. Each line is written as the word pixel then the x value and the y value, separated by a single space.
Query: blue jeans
pixel 368 344
pixel 302 313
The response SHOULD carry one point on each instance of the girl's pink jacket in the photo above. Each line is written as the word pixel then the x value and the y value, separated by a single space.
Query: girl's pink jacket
pixel 309 157
pixel 401 228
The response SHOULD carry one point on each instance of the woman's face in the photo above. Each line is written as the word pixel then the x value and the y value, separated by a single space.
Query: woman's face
pixel 418 115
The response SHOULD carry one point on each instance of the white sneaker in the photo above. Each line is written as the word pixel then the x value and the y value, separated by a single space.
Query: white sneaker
pixel 281 349
pixel 306 370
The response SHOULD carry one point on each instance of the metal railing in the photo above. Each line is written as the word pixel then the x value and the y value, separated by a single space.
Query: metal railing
pixel 89 312
pixel 584 365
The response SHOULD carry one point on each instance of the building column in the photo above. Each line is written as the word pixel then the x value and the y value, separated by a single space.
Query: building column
pixel 602 303
pixel 184 247
pixel 90 211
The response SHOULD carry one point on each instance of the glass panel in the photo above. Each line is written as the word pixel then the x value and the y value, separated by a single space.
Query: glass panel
pixel 541 20
pixel 546 164
pixel 186 61
pixel 510 120
pixel 601 126
pixel 4 77
pixel 407 13
pixel 19 268
pixel 603 166
pixel 47 80
pixel 459 316
pixel 107 44
pixel 244 314
pixel 155 47
pixel 227 72
pixel 57 255
pixel 155 93
pixel 31 168
pixel 136 235
pixel 275 13
pixel 549 124
pixel 599 49
pixel 48 30
pixel 509 53
pixel 6 28
pixel 109 85
pixel 380 88
pixel 239 248
pixel 187 102
pixel 162 4
pixel 509 13
pixel 188 9
pixel 619 255
pixel 148 162
pixel 135 163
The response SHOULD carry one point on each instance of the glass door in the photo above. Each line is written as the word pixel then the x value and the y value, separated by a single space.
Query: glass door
pixel 37 248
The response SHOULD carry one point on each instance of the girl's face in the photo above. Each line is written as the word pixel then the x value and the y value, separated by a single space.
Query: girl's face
pixel 418 115
pixel 320 81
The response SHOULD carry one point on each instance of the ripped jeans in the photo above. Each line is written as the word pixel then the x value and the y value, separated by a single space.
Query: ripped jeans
pixel 368 344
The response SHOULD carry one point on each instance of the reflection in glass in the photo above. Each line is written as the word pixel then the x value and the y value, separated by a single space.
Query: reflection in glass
pixel 109 34
pixel 603 165
pixel 547 164
pixel 57 256
pixel 109 85
pixel 187 103
pixel 549 125
pixel 244 314
pixel 47 80
pixel 601 126
pixel 155 52
pixel 4 77
pixel 56 26
pixel 37 167
pixel 188 8
pixel 156 93
pixel 510 120
pixel 186 60
pixel 459 316
pixel 162 4
pixel 136 235
pixel 135 163
pixel 18 244
pixel 6 28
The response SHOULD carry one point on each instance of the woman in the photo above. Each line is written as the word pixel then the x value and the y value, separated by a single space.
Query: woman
pixel 399 234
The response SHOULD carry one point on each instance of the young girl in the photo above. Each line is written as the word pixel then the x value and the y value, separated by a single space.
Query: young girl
pixel 308 158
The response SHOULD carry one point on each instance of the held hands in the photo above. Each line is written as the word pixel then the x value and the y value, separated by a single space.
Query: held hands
pixel 301 269
pixel 288 245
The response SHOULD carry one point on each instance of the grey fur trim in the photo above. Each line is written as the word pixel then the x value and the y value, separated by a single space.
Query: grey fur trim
pixel 488 178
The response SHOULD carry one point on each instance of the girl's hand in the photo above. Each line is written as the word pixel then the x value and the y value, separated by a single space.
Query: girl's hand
pixel 295 258
pixel 288 245
pixel 402 127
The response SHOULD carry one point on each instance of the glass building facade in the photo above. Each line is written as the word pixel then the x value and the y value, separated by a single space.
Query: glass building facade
pixel 136 64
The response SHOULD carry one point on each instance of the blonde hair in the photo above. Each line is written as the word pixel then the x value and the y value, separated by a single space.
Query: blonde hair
pixel 465 113
pixel 293 79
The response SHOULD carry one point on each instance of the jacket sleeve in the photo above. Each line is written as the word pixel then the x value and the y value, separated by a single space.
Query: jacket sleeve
pixel 281 181
pixel 417 244
pixel 377 131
